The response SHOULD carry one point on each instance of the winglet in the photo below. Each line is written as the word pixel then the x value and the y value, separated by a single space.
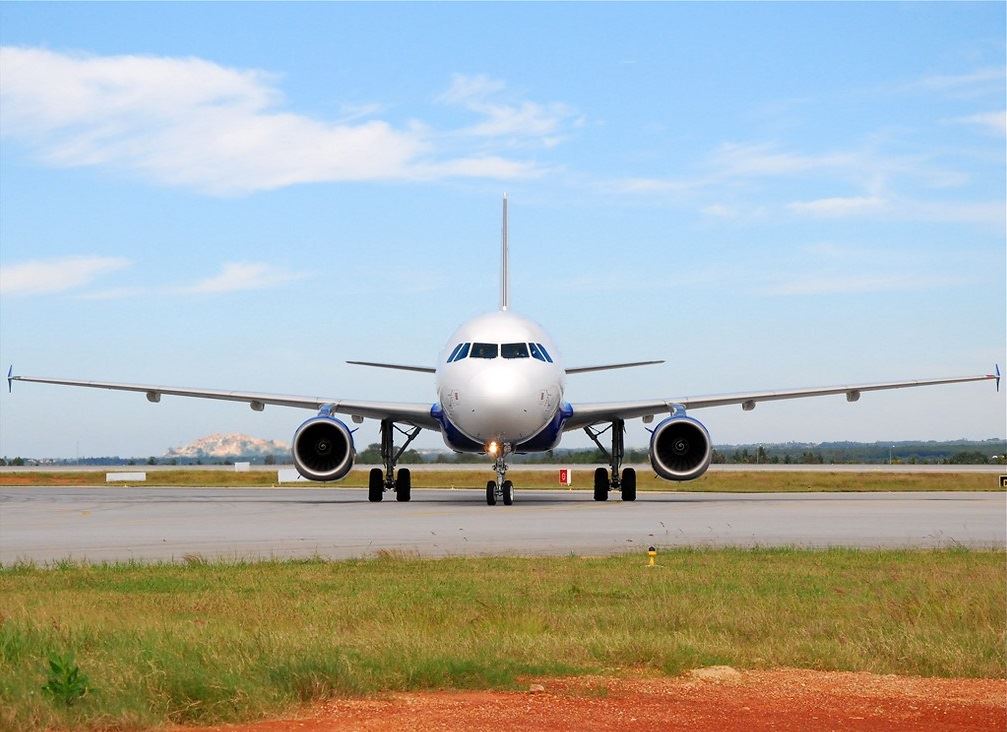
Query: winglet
pixel 10 379
pixel 996 366
pixel 504 275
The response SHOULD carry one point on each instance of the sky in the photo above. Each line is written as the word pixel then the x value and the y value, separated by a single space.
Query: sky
pixel 244 196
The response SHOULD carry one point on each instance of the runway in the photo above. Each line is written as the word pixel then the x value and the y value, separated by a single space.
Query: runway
pixel 45 524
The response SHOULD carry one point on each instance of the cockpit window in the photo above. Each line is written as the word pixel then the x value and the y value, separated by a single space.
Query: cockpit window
pixel 484 350
pixel 462 352
pixel 536 352
pixel 455 352
pixel 544 352
pixel 514 350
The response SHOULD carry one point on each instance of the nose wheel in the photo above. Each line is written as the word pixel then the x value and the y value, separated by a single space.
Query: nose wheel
pixel 500 489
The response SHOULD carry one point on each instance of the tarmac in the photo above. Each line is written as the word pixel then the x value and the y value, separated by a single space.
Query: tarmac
pixel 47 524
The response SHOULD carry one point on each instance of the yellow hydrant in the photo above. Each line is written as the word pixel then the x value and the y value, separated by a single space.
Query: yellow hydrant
pixel 651 554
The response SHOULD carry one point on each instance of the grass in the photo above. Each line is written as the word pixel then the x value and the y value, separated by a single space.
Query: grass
pixel 209 642
pixel 646 480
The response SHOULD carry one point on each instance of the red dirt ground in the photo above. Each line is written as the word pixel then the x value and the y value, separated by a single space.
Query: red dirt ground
pixel 718 698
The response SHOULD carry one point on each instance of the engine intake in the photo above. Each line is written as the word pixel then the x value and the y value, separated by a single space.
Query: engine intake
pixel 323 449
pixel 680 449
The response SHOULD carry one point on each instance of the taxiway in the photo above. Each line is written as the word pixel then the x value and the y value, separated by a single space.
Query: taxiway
pixel 46 524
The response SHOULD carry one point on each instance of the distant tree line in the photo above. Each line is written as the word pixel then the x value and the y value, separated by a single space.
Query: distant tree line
pixel 955 452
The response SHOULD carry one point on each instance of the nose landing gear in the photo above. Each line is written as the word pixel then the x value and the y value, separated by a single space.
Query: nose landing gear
pixel 380 480
pixel 501 488
pixel 611 480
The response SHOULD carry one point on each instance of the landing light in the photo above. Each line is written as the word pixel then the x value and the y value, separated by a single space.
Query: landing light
pixel 493 448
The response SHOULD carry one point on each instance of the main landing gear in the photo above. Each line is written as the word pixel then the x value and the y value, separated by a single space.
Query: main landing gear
pixel 380 480
pixel 501 488
pixel 610 480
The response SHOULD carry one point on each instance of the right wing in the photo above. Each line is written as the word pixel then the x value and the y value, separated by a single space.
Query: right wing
pixel 399 366
pixel 415 414
pixel 588 414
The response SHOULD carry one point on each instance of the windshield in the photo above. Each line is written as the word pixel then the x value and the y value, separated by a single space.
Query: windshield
pixel 514 350
pixel 484 350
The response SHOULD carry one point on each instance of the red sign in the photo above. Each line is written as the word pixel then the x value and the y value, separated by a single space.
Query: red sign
pixel 563 472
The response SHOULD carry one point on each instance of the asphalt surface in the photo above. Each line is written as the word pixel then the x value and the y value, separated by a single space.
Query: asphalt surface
pixel 585 468
pixel 104 524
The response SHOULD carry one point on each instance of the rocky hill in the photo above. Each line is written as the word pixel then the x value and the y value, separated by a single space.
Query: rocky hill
pixel 231 445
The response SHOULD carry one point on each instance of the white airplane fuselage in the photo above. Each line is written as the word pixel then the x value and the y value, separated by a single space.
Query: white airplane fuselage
pixel 504 386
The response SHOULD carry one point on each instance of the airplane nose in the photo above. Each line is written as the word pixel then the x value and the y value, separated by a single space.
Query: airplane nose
pixel 497 408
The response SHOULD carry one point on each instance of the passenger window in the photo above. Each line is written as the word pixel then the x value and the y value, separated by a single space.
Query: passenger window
pixel 545 353
pixel 514 350
pixel 536 351
pixel 484 350
pixel 463 352
pixel 454 353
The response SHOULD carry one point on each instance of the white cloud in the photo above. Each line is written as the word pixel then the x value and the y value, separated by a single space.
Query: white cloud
pixel 235 276
pixel 995 122
pixel 193 123
pixel 986 78
pixel 649 185
pixel 764 160
pixel 466 88
pixel 513 119
pixel 720 211
pixel 839 206
pixel 40 276
pixel 852 284
pixel 903 209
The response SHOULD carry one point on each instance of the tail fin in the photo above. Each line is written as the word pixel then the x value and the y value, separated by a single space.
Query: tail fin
pixel 504 274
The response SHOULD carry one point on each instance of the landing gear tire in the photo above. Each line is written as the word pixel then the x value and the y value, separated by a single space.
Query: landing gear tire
pixel 491 493
pixel 629 484
pixel 508 493
pixel 600 484
pixel 403 485
pixel 375 485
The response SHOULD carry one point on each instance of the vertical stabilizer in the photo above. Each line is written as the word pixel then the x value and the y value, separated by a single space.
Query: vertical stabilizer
pixel 504 274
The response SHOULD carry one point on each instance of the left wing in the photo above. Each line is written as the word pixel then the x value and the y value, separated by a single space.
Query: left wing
pixel 610 366
pixel 588 414
pixel 415 414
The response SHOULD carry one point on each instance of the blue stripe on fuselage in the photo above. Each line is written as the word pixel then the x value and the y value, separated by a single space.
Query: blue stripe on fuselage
pixel 546 439
pixel 454 437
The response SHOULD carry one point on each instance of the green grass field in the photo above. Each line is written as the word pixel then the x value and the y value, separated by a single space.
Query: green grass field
pixel 202 643
pixel 647 481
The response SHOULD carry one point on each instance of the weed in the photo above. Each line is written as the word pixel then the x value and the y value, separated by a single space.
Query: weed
pixel 66 682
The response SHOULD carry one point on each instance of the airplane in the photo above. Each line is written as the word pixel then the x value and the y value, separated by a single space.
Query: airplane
pixel 501 388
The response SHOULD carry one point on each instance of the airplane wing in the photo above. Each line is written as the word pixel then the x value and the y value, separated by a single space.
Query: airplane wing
pixel 399 366
pixel 610 366
pixel 588 414
pixel 415 414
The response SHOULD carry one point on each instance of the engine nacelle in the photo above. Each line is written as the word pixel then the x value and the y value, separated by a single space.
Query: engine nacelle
pixel 323 449
pixel 680 448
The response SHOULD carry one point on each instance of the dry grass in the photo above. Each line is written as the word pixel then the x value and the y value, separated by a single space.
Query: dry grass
pixel 207 642
pixel 732 482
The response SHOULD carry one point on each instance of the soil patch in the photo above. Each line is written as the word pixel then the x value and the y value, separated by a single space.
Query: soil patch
pixel 717 698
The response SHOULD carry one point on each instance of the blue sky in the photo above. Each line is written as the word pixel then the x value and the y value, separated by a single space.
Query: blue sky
pixel 244 196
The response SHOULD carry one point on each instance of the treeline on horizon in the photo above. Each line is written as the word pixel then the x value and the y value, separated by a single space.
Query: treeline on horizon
pixel 951 452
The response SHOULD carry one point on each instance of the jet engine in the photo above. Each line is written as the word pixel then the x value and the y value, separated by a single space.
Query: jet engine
pixel 323 448
pixel 680 448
